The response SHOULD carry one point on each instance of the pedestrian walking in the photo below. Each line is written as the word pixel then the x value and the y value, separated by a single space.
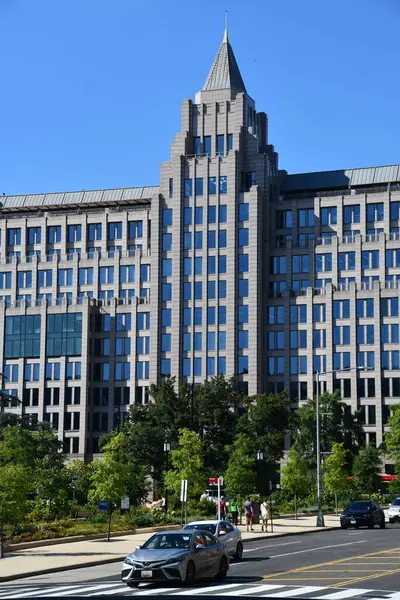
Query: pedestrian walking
pixel 266 514
pixel 234 512
pixel 248 511
pixel 222 508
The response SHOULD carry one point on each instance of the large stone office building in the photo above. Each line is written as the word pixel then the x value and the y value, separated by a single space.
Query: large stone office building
pixel 228 266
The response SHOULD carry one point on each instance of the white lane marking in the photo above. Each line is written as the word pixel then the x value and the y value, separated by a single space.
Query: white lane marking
pixel 271 546
pixel 307 589
pixel 343 594
pixel 320 548
pixel 254 590
pixel 11 589
pixel 78 589
pixel 205 590
pixel 119 590
pixel 38 591
pixel 156 591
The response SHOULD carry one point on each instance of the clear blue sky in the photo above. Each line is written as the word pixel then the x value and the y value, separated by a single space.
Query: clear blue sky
pixel 91 89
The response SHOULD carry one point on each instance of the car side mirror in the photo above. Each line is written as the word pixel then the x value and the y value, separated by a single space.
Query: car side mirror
pixel 200 546
pixel 138 547
pixel 222 533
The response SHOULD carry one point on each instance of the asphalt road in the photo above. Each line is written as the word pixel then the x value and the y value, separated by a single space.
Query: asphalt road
pixel 360 559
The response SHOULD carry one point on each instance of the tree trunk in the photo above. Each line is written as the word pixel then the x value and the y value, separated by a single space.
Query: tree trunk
pixel 109 522
pixel 295 506
pixel 336 504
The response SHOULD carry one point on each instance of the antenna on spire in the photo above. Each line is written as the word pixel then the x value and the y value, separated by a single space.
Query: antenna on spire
pixel 225 40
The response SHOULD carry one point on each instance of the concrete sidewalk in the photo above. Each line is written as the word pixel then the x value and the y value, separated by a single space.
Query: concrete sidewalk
pixel 73 555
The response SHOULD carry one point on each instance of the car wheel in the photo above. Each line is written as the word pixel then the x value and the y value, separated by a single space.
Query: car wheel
pixel 190 574
pixel 223 569
pixel 382 523
pixel 391 521
pixel 239 551
pixel 344 526
pixel 132 584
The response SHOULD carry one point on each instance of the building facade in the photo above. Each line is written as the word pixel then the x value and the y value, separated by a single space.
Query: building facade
pixel 228 266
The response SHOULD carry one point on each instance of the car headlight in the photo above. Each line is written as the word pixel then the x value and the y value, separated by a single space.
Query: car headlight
pixel 129 561
pixel 172 561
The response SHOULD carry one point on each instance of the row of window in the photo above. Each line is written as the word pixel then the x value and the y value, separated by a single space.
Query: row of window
pixel 195 239
pixel 203 145
pixel 306 217
pixel 195 291
pixel 212 186
pixel 323 262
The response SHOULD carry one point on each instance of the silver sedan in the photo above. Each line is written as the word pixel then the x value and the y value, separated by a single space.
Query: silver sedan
pixel 176 556
pixel 229 535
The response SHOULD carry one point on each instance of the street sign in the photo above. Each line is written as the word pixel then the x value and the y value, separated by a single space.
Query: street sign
pixel 221 480
pixel 125 503
pixel 212 481
pixel 102 505
pixel 183 490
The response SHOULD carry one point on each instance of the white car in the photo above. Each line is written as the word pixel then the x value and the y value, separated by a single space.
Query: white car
pixel 225 532
pixel 394 511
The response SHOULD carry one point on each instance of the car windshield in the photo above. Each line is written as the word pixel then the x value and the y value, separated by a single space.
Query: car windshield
pixel 168 540
pixel 396 502
pixel 359 505
pixel 211 527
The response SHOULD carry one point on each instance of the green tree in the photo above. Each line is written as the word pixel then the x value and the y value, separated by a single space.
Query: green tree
pixel 79 477
pixel 187 461
pixel 294 477
pixel 108 483
pixel 392 444
pixel 335 473
pixel 241 475
pixel 15 484
pixel 366 469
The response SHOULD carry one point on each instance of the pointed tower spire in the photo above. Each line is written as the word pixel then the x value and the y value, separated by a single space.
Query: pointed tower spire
pixel 224 73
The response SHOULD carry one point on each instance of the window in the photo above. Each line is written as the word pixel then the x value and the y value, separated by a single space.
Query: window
pixel 323 262
pixel 197 341
pixel 243 263
pixel 5 280
pixel 221 263
pixel 123 346
pixel 370 259
pixel 341 309
pixel 392 258
pixel 243 212
pixel 211 290
pixel 304 239
pixel 197 367
pixel 106 275
pixel 230 141
pixel 341 361
pixel 54 234
pixel 94 231
pixel 31 372
pixel 222 315
pixel 166 267
pixel 375 212
pixel 212 265
pixel 222 365
pixel 186 364
pixel 196 145
pixel 298 365
pixel 188 189
pixel 319 338
pixel 300 263
pixel 276 340
pixel 187 289
pixel 211 366
pixel 187 215
pixel 212 239
pixel 390 360
pixel 366 360
pixel 243 365
pixel 73 370
pixel 211 315
pixel 243 237
pixel 167 217
pixel 278 265
pixel 365 334
pixel 198 186
pixel 64 334
pixel 207 145
pixel 24 279
pixel 319 363
pixel 283 219
pixel 135 229
pixel 223 213
pixel 85 276
pixel 115 231
pixel 165 366
pixel 347 261
pixel 306 217
pixel 166 317
pixel 243 288
pixel 212 214
pixel 394 211
pixel 198 316
pixel 351 214
pixel 187 342
pixel 276 365
pixel 298 339
pixel 341 335
pixel 144 273
pixel 222 340
pixel 389 307
pixel 212 186
pixel 365 308
pixel 319 313
pixel 390 334
pixel 14 236
pixel 143 321
pixel 223 184
pixel 221 238
pixel 198 290
pixel 329 216
pixel 74 233
pixel 10 373
pixel 276 315
pixel 166 294
pixel 220 144
pixel 243 339
pixel 102 347
pixel 34 235
pixel 198 240
pixel 243 313
pixel 167 241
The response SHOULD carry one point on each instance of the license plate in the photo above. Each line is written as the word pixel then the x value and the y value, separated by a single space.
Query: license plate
pixel 353 521
pixel 147 574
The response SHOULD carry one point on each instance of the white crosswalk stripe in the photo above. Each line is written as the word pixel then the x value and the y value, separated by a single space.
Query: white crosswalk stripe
pixel 244 589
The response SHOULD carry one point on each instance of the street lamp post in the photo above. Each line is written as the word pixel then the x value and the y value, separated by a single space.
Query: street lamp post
pixel 320 515
pixel 260 458
pixel 167 449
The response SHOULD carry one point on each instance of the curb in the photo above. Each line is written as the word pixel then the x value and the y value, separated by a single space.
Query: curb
pixel 108 561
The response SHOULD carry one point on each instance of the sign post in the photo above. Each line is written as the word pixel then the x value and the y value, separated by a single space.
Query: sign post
pixel 220 482
pixel 184 483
